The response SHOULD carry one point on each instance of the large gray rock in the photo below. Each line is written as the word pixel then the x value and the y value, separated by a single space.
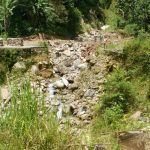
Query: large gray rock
pixel 134 140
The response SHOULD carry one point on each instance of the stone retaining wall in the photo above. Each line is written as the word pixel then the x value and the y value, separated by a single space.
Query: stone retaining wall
pixel 11 42
pixel 15 42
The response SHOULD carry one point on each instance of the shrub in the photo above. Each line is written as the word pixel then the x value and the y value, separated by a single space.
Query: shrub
pixel 137 55
pixel 9 57
pixel 134 11
pixel 74 22
pixel 113 115
pixel 131 29
pixel 118 92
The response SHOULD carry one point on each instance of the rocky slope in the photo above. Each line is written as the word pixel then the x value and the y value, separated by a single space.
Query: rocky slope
pixel 79 68
pixel 70 74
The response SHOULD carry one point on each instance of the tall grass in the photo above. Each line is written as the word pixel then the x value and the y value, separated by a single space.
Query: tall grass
pixel 22 128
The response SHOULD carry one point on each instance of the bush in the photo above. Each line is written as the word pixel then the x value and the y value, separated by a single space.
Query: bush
pixel 9 57
pixel 137 55
pixel 134 11
pixel 131 29
pixel 74 23
pixel 113 115
pixel 118 92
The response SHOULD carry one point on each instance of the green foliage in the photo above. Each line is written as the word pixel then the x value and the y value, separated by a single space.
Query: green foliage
pixel 27 17
pixel 6 11
pixel 74 22
pixel 137 55
pixel 135 12
pixel 118 92
pixel 113 115
pixel 9 57
pixel 148 93
pixel 2 73
pixel 131 29
pixel 105 3
pixel 32 17
pixel 22 127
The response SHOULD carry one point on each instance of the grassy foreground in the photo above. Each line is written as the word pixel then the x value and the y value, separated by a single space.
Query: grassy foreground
pixel 23 128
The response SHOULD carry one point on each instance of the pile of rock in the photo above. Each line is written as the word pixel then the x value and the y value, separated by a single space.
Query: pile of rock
pixel 72 79
pixel 94 35
pixel 76 83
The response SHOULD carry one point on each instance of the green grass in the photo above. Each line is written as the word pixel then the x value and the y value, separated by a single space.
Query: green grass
pixel 22 128
pixel 110 120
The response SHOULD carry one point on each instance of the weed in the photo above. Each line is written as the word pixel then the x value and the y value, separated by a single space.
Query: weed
pixel 21 126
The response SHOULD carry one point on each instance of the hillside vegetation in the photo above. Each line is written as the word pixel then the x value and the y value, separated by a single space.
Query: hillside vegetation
pixel 70 17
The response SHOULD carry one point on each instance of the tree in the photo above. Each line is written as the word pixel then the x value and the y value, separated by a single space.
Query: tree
pixel 135 12
pixel 6 10
pixel 32 17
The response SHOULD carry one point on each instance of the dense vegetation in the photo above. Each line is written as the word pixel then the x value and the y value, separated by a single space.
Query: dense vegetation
pixel 27 17
pixel 135 14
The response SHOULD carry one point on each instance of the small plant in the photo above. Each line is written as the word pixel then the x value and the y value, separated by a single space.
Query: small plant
pixel 131 29
pixel 118 92
pixel 45 45
pixel 113 115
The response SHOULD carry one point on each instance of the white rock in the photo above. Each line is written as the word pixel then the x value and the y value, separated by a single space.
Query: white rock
pixel 105 27
pixel 51 90
pixel 60 110
pixel 34 69
pixel 19 65
pixel 77 62
pixel 59 84
pixel 82 66
pixel 65 81
pixel 67 53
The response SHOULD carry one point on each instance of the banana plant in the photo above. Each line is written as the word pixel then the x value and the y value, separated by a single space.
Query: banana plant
pixel 6 10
